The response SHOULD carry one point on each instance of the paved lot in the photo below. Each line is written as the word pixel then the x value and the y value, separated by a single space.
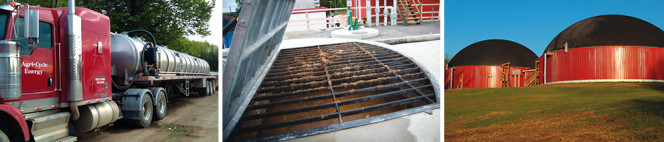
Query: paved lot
pixel 427 53
pixel 385 31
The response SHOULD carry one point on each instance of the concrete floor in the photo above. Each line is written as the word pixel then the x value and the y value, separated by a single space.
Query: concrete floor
pixel 427 53
pixel 385 32
pixel 420 127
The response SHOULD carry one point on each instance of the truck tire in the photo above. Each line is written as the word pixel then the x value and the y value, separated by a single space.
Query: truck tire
pixel 202 92
pixel 213 87
pixel 161 107
pixel 209 88
pixel 146 113
pixel 3 137
pixel 205 91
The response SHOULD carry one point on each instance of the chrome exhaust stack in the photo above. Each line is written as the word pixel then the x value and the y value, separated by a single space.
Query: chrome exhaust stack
pixel 74 80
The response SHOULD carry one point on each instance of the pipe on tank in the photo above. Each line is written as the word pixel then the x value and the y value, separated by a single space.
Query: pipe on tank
pixel 393 15
pixel 514 79
pixel 545 56
pixel 390 8
pixel 357 7
pixel 452 78
pixel 369 13
pixel 377 12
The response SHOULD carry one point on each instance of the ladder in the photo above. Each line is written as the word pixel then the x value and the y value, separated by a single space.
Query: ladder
pixel 460 85
pixel 534 78
pixel 505 75
pixel 408 13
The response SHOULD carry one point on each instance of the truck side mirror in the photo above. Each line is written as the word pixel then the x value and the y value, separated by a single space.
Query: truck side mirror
pixel 31 31
pixel 34 24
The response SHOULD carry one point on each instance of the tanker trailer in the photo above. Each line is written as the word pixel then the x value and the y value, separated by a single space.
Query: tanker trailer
pixel 128 55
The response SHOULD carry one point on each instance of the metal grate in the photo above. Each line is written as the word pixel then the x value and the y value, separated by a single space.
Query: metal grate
pixel 314 87
pixel 261 25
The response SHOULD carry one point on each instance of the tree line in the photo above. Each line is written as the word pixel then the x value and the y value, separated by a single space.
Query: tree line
pixel 170 21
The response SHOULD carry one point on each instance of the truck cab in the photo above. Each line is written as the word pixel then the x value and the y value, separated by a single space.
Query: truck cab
pixel 36 76
pixel 58 78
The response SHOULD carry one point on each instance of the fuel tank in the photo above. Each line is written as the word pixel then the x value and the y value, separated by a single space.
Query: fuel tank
pixel 10 71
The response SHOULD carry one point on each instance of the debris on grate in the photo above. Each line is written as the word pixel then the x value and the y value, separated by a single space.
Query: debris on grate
pixel 319 86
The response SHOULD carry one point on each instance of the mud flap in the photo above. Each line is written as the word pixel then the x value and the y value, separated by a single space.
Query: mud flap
pixel 131 103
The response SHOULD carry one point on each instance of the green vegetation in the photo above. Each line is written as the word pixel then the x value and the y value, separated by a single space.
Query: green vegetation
pixel 335 4
pixel 169 20
pixel 176 132
pixel 203 50
pixel 640 107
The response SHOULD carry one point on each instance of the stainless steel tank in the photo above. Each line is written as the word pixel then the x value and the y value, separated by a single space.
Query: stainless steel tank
pixel 10 71
pixel 126 55
pixel 187 63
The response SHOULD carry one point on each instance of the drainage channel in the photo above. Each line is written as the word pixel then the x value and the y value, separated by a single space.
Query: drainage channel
pixel 314 87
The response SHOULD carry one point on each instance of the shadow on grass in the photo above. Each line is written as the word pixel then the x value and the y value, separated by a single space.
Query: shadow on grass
pixel 654 107
pixel 655 86
pixel 645 118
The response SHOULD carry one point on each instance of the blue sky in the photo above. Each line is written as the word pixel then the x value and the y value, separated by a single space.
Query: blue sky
pixel 532 23
pixel 229 5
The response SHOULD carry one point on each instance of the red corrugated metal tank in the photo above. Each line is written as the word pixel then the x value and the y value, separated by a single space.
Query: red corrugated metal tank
pixel 606 48
pixel 479 65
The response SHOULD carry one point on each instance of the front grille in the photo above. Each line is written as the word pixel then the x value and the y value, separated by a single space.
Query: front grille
pixel 314 87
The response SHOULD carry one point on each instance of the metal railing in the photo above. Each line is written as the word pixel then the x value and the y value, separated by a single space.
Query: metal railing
pixel 343 20
pixel 431 18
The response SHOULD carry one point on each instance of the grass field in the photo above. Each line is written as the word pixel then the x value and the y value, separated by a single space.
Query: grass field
pixel 567 112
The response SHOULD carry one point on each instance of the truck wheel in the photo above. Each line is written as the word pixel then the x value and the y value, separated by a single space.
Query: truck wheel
pixel 146 112
pixel 3 137
pixel 160 110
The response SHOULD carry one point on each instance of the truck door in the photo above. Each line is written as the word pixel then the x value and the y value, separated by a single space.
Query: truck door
pixel 38 65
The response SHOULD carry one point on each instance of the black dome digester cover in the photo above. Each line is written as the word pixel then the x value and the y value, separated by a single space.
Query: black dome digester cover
pixel 608 30
pixel 494 52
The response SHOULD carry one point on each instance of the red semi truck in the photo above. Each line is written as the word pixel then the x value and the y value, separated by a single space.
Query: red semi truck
pixel 63 72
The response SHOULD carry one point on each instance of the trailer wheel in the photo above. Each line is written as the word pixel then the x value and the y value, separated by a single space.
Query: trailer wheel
pixel 146 112
pixel 202 92
pixel 214 86
pixel 160 110
pixel 209 88
pixel 3 137
pixel 205 91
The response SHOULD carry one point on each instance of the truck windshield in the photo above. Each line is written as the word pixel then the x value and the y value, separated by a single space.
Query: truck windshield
pixel 4 18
